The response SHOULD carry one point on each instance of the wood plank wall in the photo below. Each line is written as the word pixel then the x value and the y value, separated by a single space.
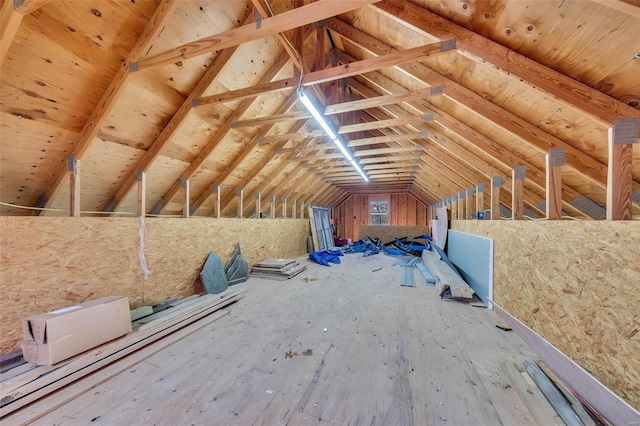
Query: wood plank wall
pixel 405 210
pixel 576 284
pixel 49 263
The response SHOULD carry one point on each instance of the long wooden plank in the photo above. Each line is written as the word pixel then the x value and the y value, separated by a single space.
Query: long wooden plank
pixel 624 6
pixel 332 74
pixel 20 395
pixel 284 41
pixel 50 402
pixel 610 405
pixel 598 105
pixel 110 97
pixel 270 26
pixel 11 15
pixel 553 189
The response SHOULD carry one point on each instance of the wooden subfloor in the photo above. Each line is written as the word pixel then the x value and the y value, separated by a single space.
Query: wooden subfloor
pixel 390 355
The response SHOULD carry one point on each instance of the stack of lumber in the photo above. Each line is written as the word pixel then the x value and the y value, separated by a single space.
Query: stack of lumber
pixel 28 392
pixel 277 269
pixel 446 278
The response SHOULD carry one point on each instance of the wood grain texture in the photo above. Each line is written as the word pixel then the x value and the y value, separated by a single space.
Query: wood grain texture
pixel 270 26
pixel 375 377
pixel 619 180
pixel 550 275
pixel 517 201
pixel 9 23
pixel 553 191
pixel 495 203
pixel 72 260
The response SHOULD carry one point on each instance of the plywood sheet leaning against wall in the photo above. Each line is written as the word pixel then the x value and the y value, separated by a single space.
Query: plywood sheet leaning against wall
pixel 575 284
pixel 49 263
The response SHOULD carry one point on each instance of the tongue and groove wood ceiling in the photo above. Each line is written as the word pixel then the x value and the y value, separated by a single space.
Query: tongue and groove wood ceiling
pixel 205 91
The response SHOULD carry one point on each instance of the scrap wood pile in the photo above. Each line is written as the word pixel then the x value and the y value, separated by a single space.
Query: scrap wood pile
pixel 29 391
pixel 277 269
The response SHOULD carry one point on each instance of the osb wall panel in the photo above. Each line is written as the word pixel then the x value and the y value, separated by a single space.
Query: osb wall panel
pixel 578 285
pixel 388 233
pixel 50 263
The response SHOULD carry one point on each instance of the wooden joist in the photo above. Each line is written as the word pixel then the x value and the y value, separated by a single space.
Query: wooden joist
pixel 270 26
pixel 332 74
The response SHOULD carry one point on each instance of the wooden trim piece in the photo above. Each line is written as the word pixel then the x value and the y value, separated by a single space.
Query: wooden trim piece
pixel 141 196
pixel 598 105
pixel 74 186
pixel 109 98
pixel 270 26
pixel 331 74
pixel 610 405
pixel 622 135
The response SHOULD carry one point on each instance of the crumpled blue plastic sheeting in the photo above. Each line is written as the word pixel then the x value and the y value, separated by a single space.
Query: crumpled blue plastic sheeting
pixel 363 246
pixel 325 256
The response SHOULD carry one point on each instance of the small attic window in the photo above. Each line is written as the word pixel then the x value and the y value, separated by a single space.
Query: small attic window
pixel 379 212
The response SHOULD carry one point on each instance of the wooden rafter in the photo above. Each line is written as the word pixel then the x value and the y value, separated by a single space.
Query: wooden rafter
pixel 598 105
pixel 11 14
pixel 110 97
pixel 172 127
pixel 270 26
pixel 217 138
pixel 591 168
pixel 330 74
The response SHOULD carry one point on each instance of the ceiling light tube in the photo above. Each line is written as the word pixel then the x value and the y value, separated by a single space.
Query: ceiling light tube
pixel 320 118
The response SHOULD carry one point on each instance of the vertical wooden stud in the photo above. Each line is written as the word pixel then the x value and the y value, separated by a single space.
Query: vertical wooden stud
pixel 240 194
pixel 294 206
pixel 273 206
pixel 555 160
pixel 461 203
pixel 258 206
pixel 496 184
pixel 184 183
pixel 517 192
pixel 74 186
pixel 284 208
pixel 479 199
pixel 469 199
pixel 454 206
pixel 216 208
pixel 622 135
pixel 141 205
pixel 302 209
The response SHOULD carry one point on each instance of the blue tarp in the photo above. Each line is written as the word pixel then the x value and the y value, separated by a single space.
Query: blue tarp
pixel 325 256
pixel 365 245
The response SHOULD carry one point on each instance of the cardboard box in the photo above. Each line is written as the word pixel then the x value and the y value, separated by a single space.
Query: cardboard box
pixel 55 336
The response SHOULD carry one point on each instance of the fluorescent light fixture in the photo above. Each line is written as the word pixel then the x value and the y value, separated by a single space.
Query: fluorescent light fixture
pixel 337 140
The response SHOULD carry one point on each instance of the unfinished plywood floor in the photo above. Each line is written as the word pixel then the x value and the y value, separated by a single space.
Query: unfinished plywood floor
pixel 391 355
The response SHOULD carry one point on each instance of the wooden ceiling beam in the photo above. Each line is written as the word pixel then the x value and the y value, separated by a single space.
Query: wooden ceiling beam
pixel 330 74
pixel 469 135
pixel 554 84
pixel 246 33
pixel 588 166
pixel 267 158
pixel 280 36
pixel 110 97
pixel 623 6
pixel 11 14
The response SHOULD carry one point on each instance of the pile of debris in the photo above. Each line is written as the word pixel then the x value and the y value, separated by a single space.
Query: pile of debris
pixel 277 269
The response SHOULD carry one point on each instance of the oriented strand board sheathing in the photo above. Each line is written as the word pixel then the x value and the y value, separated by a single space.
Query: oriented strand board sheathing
pixel 50 263
pixel 576 284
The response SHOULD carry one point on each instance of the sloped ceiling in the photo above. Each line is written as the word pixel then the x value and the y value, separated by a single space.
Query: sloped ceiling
pixel 130 86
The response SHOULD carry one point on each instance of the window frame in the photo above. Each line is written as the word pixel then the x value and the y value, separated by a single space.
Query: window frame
pixel 379 214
